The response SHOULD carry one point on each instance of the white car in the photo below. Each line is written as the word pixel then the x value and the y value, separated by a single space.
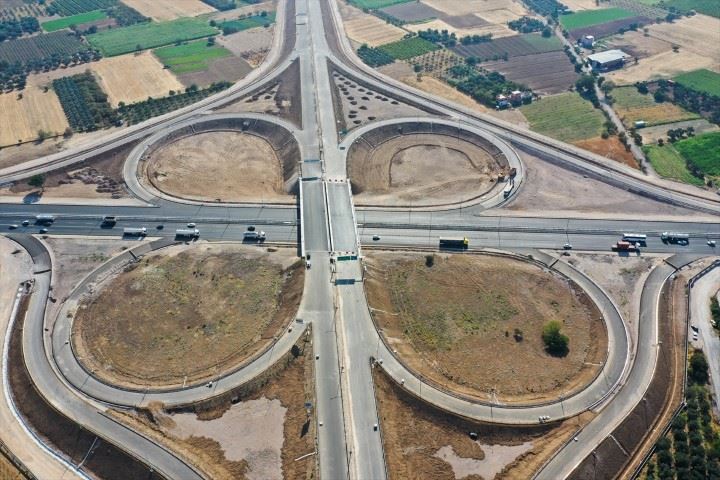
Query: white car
pixel 711 243
pixel 191 225
pixel 13 227
pixel 567 246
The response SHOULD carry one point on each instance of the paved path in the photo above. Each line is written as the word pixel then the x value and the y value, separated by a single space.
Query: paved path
pixel 702 291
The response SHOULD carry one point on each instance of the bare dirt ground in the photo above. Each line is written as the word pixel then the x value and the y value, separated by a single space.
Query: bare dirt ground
pixel 98 178
pixel 160 10
pixel 365 28
pixel 22 118
pixel 554 191
pixel 423 442
pixel 473 324
pixel 135 77
pixel 638 44
pixel 437 87
pixel 244 10
pixel 8 471
pixel 276 429
pixel 610 148
pixel 423 170
pixel 496 29
pixel 251 45
pixel 187 313
pixel 697 38
pixel 218 166
pixel 227 69
pixel 17 154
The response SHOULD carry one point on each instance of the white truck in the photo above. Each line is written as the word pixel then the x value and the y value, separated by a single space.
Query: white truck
pixel 254 236
pixel 674 237
pixel 44 219
pixel 135 232
pixel 187 233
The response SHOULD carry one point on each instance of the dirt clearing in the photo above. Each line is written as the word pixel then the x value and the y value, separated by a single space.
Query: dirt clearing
pixel 444 450
pixel 24 114
pixel 371 30
pixel 160 10
pixel 218 166
pixel 270 413
pixel 187 313
pixel 421 169
pixel 473 324
pixel 132 78
pixel 611 148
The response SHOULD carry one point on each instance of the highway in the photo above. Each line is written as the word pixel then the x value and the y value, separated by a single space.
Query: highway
pixel 328 226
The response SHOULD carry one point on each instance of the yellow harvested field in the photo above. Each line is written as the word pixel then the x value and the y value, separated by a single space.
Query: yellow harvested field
pixel 577 5
pixel 480 7
pixel 503 15
pixel 160 10
pixel 373 31
pixel 497 30
pixel 36 110
pixel 662 65
pixel 697 34
pixel 131 78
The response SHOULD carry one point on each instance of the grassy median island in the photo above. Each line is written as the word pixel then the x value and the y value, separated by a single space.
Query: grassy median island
pixel 187 313
pixel 474 324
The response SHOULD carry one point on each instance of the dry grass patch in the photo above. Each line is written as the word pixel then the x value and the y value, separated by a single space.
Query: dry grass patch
pixel 160 10
pixel 371 30
pixel 226 166
pixel 473 323
pixel 187 314
pixel 132 78
pixel 23 118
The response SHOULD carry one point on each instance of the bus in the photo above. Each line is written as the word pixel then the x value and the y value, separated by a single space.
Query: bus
pixel 640 238
pixel 458 243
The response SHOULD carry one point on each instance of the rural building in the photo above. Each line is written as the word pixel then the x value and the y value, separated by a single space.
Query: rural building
pixel 607 60
pixel 587 41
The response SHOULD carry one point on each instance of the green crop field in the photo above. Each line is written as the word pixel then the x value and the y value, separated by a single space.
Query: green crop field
pixel 408 48
pixel 150 35
pixel 701 81
pixel 708 7
pixel 376 4
pixel 79 19
pixel 668 163
pixel 247 23
pixel 703 152
pixel 190 57
pixel 588 18
pixel 566 117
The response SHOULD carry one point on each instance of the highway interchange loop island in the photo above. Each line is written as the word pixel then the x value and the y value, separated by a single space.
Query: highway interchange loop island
pixel 326 224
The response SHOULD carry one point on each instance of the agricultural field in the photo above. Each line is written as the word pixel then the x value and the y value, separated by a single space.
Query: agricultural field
pixel 577 20
pixel 161 10
pixel 545 73
pixel 706 7
pixel 566 117
pixel 152 107
pixel 602 30
pixel 78 19
pixel 40 47
pixel 233 26
pixel 511 46
pixel 376 4
pixel 22 119
pixel 84 103
pixel 668 163
pixel 702 80
pixel 702 154
pixel 149 35
pixel 411 12
pixel 370 30
pixel 632 106
pixel 408 48
pixel 190 57
pixel 66 8
pixel 16 9
pixel 133 78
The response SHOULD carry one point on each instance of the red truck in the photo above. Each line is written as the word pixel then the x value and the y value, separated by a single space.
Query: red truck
pixel 623 246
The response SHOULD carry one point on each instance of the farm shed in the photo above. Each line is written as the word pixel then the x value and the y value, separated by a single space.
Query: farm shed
pixel 607 60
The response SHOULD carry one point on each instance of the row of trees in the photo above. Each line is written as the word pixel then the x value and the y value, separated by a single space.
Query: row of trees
pixel 13 76
pixel 374 56
pixel 481 85
pixel 701 103
pixel 526 25
pixel 84 103
pixel 11 29
pixel 442 37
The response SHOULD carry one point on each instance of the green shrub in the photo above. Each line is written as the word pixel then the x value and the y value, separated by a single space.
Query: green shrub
pixel 556 343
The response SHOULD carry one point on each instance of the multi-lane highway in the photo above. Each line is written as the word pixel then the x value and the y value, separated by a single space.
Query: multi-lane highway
pixel 325 223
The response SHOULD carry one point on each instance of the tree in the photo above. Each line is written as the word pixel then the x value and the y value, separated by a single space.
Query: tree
pixel 698 371
pixel 37 181
pixel 556 343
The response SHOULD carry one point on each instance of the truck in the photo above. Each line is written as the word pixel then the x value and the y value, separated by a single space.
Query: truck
pixel 109 221
pixel 135 232
pixel 254 236
pixel 187 233
pixel 513 172
pixel 44 219
pixel 508 188
pixel 456 243
pixel 674 237
pixel 623 246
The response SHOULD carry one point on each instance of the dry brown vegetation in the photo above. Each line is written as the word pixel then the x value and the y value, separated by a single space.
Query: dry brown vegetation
pixel 135 77
pixel 169 9
pixel 473 323
pixel 223 166
pixel 24 114
pixel 414 432
pixel 187 314
pixel 611 148
pixel 8 470
pixel 371 30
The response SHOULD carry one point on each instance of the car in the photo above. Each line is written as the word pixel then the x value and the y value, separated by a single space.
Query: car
pixel 191 225
pixel 567 246
pixel 43 230
pixel 307 264
pixel 376 238
pixel 711 243
pixel 160 227
pixel 13 227
pixel 251 228
pixel 25 223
